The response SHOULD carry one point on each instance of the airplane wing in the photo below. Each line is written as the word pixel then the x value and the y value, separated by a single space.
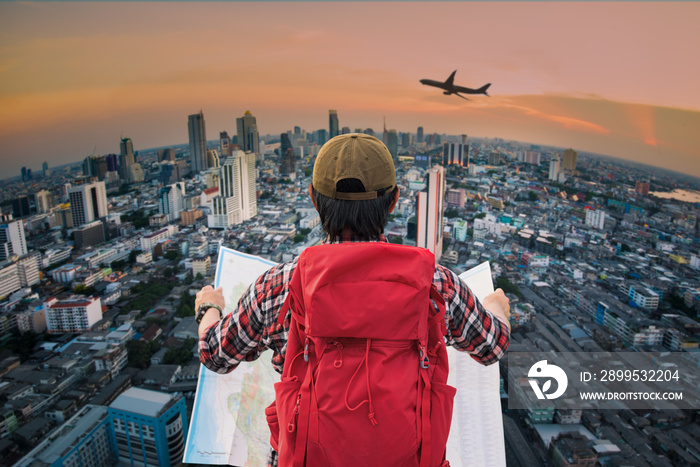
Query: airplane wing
pixel 458 94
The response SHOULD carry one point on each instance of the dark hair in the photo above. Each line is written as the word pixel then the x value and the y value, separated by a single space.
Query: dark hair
pixel 365 219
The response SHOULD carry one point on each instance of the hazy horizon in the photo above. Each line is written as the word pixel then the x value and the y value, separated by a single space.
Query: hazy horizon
pixel 613 79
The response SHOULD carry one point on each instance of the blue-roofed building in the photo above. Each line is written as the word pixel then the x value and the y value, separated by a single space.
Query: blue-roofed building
pixel 150 427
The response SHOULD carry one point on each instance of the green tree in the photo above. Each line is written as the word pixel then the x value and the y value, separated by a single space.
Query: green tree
pixel 171 255
pixel 504 283
pixel 181 356
pixel 139 354
pixel 451 213
pixel 396 239
pixel 532 196
pixel 299 238
pixel 81 289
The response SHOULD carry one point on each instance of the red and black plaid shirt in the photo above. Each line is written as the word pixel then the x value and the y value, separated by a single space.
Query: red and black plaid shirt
pixel 246 333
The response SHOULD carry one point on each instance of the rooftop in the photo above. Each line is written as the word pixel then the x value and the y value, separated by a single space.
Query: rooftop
pixel 142 401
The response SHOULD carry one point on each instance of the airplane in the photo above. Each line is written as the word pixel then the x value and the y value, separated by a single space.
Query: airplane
pixel 450 88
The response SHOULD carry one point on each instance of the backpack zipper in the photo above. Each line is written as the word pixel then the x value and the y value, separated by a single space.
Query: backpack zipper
pixel 291 426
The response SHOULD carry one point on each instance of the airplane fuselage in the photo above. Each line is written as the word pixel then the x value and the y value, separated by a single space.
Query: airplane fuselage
pixel 450 88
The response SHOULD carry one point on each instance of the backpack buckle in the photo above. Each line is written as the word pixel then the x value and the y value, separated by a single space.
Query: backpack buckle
pixel 424 360
pixel 306 350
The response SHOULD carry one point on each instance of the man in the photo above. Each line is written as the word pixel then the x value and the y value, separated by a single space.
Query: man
pixel 354 190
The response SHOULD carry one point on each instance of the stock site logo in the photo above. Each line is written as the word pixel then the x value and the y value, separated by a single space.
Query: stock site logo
pixel 542 369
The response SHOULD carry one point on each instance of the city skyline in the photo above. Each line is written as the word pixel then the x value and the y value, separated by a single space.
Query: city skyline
pixel 613 79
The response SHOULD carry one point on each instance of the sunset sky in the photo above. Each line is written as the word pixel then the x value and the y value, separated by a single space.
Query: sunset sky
pixel 620 79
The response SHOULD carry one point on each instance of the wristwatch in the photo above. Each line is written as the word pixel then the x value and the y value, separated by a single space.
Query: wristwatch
pixel 203 308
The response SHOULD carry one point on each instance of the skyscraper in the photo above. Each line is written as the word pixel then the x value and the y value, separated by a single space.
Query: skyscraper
pixel 419 136
pixel 456 153
pixel 569 161
pixel 88 202
pixel 20 206
pixel 171 201
pixel 12 239
pixel 224 143
pixel 595 218
pixel 554 169
pixel 198 142
pixel 429 212
pixel 287 164
pixel 212 159
pixel 236 201
pixel 167 154
pixel 333 123
pixel 247 129
pixel 43 201
pixel 150 427
pixel 126 151
pixel 45 168
pixel 392 143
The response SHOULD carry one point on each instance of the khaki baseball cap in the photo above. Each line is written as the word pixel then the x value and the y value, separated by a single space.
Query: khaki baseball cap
pixel 354 155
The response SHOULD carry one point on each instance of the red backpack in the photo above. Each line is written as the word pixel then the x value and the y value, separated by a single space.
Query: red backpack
pixel 364 378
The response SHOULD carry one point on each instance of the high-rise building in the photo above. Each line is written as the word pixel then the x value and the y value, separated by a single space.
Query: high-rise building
pixel 85 439
pixel 345 130
pixel 126 151
pixel 45 168
pixel 429 212
pixel 460 228
pixel 554 169
pixel 73 315
pixel 95 166
pixel 595 218
pixel 641 187
pixel 87 202
pixel 456 153
pixel 287 165
pixel 321 137
pixel 20 207
pixel 112 162
pixel 212 159
pixel 150 427
pixel 247 129
pixel 43 201
pixel 126 159
pixel 171 201
pixel 391 139
pixel 28 270
pixel 167 154
pixel 198 142
pixel 12 239
pixel 457 197
pixel 9 279
pixel 333 124
pixel 224 143
pixel 89 234
pixel 405 139
pixel 569 161
pixel 236 201
pixel 419 135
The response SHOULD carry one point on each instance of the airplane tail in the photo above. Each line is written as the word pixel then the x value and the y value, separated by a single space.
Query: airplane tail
pixel 482 89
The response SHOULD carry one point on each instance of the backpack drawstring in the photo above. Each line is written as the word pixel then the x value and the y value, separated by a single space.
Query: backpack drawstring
pixel 364 361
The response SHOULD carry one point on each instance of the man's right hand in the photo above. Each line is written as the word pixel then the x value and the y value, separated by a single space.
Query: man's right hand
pixel 498 304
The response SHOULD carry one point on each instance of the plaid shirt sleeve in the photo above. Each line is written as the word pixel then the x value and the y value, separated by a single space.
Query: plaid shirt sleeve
pixel 251 328
pixel 471 328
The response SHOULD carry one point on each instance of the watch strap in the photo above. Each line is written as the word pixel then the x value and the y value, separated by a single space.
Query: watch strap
pixel 203 308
